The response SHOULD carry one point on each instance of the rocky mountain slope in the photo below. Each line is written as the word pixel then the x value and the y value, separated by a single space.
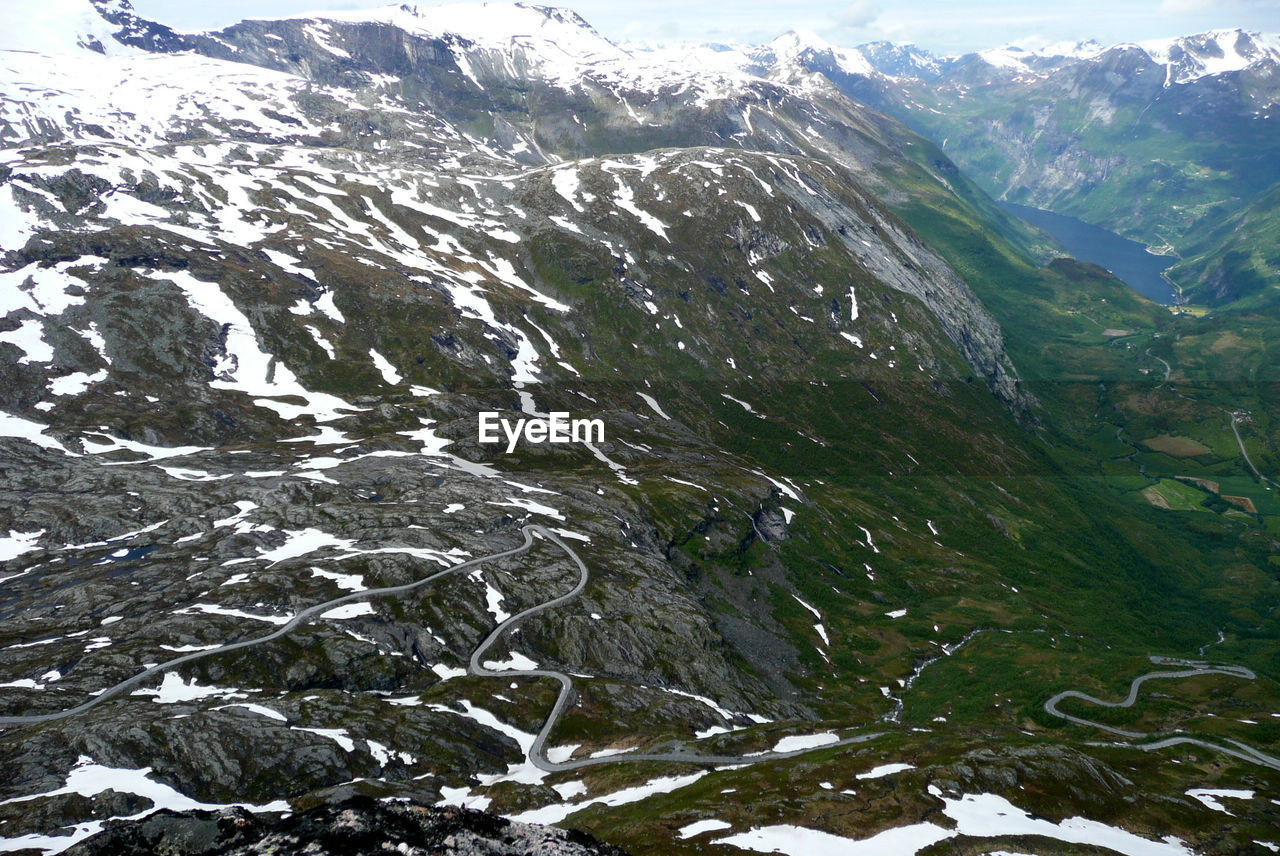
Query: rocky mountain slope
pixel 354 827
pixel 257 286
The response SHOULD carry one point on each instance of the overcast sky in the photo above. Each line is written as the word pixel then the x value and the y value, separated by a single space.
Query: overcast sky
pixel 939 25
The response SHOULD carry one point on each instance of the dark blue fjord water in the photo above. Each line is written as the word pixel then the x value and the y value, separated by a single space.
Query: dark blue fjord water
pixel 1128 260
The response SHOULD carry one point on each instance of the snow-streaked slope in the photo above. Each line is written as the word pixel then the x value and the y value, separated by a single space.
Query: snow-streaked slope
pixel 144 99
pixel 1190 58
pixel 56 27
pixel 1086 49
pixel 974 815
pixel 798 46
pixel 511 40
pixel 1185 58
pixel 551 34
pixel 1007 57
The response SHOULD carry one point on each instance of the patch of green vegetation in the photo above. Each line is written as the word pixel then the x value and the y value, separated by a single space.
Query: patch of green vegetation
pixel 1147 169
pixel 1234 264
pixel 1175 496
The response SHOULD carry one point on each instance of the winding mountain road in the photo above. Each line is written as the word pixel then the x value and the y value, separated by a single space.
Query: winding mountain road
pixel 1168 369
pixel 1235 420
pixel 537 753
pixel 1237 749
pixel 297 621
pixel 475 666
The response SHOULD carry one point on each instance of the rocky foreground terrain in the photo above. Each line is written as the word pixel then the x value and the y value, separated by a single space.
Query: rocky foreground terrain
pixel 355 827
pixel 849 528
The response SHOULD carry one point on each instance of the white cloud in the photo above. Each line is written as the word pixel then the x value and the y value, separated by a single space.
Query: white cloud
pixel 942 26
pixel 1188 7
pixel 858 14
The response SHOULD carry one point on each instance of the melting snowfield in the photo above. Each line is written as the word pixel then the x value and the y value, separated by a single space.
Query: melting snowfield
pixel 975 816
pixel 89 779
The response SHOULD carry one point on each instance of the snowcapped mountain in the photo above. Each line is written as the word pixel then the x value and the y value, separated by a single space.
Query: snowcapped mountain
pixel 1086 49
pixel 1215 52
pixel 257 288
pixel 244 84
pixel 67 26
pixel 547 43
pixel 897 60
pixel 1185 59
pixel 808 51
pixel 1098 132
pixel 257 285
pixel 514 40
pixel 59 26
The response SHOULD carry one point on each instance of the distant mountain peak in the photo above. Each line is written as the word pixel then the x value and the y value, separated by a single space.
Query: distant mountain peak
pixel 901 60
pixel 551 13
pixel 1186 58
pixel 803 47
pixel 1211 52
pixel 798 40
pixel 557 39
pixel 485 21
pixel 59 26
pixel 1085 49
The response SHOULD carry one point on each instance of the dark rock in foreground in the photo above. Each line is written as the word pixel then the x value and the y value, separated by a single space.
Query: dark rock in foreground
pixel 355 827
